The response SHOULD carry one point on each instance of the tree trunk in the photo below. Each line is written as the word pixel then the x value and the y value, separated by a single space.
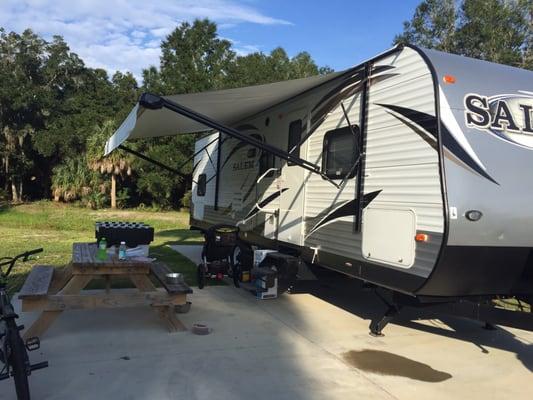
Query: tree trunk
pixel 6 164
pixel 14 193
pixel 113 191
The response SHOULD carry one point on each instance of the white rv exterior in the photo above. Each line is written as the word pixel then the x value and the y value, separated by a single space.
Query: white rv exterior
pixel 422 168
pixel 401 170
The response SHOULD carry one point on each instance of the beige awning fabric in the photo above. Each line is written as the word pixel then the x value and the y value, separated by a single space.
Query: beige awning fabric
pixel 225 106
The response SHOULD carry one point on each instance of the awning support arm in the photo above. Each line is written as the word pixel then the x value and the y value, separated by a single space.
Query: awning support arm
pixel 154 102
pixel 151 160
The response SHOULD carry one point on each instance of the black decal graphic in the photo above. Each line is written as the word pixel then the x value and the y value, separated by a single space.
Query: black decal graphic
pixel 345 210
pixel 429 124
pixel 263 203
pixel 450 144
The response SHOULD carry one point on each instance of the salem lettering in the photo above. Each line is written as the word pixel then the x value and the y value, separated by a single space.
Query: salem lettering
pixel 501 113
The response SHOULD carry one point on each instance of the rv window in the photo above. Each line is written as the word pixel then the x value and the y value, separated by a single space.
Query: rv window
pixel 295 135
pixel 201 186
pixel 340 152
pixel 266 161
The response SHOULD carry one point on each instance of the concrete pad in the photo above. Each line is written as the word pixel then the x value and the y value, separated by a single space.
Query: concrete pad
pixel 296 347
pixel 192 252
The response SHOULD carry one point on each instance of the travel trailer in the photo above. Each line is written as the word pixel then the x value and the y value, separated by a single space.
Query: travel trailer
pixel 409 172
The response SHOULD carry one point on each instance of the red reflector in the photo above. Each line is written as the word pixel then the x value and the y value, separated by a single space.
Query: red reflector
pixel 421 237
pixel 448 79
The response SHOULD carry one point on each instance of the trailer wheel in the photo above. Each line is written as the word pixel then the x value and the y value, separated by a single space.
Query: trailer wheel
pixel 241 259
pixel 242 255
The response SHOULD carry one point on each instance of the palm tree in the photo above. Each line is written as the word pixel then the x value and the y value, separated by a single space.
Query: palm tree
pixel 115 164
pixel 72 179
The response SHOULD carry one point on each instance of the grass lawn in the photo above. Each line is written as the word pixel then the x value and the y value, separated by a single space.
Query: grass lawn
pixel 56 226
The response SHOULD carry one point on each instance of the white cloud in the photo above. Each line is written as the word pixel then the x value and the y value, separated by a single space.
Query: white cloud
pixel 123 34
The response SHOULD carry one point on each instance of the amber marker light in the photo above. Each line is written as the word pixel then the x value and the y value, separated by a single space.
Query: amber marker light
pixel 448 79
pixel 421 237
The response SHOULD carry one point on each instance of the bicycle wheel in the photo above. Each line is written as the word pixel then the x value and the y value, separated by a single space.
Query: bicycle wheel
pixel 18 361
pixel 200 276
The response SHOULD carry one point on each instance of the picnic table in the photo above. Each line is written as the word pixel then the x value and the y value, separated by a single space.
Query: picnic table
pixel 52 291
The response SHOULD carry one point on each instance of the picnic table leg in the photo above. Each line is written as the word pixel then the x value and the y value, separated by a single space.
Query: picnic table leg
pixel 168 315
pixel 107 283
pixel 41 325
pixel 47 318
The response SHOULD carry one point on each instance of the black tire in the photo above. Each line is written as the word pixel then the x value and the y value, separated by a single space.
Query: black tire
pixel 18 361
pixel 241 259
pixel 200 275
pixel 236 271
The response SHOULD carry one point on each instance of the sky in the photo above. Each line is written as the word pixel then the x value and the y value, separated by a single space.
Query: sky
pixel 125 35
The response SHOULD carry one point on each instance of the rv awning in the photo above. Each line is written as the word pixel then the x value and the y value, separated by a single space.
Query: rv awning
pixel 225 106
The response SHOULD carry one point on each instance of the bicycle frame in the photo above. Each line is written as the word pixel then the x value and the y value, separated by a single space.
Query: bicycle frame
pixel 13 351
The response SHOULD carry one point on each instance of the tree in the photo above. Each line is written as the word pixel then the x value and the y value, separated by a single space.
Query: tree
pixel 194 58
pixel 433 26
pixel 22 100
pixel 116 164
pixel 493 30
pixel 51 102
pixel 125 93
pixel 259 68
pixel 72 179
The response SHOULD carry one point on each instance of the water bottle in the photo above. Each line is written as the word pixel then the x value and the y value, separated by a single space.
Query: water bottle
pixel 102 250
pixel 122 251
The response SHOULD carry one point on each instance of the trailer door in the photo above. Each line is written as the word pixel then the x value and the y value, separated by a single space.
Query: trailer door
pixel 291 180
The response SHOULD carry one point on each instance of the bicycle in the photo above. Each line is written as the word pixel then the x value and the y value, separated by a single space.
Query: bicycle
pixel 13 351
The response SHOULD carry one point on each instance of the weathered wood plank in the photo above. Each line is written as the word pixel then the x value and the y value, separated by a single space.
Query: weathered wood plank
pixel 110 270
pixel 160 270
pixel 88 301
pixel 41 325
pixel 37 282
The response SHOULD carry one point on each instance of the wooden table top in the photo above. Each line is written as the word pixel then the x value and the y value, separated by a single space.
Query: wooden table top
pixel 84 256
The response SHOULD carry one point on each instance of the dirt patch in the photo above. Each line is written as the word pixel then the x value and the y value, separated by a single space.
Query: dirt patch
pixel 385 363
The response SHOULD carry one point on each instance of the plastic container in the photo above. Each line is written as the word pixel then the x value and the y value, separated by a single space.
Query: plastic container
pixel 122 251
pixel 101 254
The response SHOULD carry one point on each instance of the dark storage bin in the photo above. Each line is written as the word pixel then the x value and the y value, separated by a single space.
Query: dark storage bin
pixel 133 233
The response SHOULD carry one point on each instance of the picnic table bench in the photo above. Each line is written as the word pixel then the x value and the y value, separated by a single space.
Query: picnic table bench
pixel 52 291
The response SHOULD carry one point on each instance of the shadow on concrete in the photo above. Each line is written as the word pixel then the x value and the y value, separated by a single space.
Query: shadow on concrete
pixel 350 295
